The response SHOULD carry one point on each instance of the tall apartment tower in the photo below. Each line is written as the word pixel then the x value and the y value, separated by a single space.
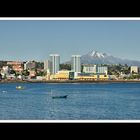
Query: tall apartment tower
pixel 76 63
pixel 54 63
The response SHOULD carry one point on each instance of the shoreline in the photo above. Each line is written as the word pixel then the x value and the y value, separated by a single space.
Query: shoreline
pixel 70 81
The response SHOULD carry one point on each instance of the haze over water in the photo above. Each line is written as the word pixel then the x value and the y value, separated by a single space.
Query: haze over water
pixel 93 101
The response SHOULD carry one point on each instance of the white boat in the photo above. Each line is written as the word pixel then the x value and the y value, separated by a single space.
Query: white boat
pixel 20 87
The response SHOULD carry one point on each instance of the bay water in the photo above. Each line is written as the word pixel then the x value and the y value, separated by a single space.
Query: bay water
pixel 85 101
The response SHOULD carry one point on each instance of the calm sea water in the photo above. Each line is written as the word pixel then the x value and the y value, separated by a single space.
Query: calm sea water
pixel 93 101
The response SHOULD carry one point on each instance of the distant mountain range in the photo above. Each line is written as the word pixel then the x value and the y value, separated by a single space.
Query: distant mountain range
pixel 95 57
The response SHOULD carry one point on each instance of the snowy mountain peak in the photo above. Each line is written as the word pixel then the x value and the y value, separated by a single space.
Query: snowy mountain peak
pixel 95 57
pixel 96 54
pixel 91 53
pixel 100 55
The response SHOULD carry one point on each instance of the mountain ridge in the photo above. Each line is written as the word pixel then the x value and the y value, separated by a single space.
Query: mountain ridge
pixel 95 57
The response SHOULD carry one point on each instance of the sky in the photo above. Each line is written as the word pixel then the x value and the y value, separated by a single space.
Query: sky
pixel 24 40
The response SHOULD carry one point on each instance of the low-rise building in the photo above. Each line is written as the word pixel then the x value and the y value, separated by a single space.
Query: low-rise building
pixel 87 76
pixel 60 75
pixel 134 69
pixel 39 78
pixel 89 68
pixel 11 77
pixel 32 74
pixel 102 69
pixel 103 77
pixel 5 69
pixel 113 77
pixel 16 65
pixel 30 65
pixel 93 77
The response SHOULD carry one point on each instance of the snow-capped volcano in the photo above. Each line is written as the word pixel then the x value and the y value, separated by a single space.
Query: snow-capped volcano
pixel 95 57
pixel 97 54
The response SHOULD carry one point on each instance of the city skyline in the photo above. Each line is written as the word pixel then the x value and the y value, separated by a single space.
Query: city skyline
pixel 35 39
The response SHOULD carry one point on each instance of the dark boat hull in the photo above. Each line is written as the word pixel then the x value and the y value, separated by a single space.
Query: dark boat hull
pixel 59 97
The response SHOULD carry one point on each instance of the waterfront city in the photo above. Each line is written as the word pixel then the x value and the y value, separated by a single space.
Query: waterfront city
pixel 69 69
pixel 52 70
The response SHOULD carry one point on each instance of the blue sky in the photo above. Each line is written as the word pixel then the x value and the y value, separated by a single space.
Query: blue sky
pixel 36 39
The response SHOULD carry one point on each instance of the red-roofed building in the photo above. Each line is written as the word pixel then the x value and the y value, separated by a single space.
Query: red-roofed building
pixel 32 73
pixel 16 65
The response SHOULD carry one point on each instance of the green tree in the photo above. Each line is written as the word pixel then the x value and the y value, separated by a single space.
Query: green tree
pixel 40 73
pixel 65 66
pixel 12 72
pixel 5 77
pixel 25 73
pixel 40 65
pixel 82 68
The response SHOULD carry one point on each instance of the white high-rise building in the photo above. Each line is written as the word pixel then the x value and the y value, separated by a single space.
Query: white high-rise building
pixel 76 63
pixel 54 63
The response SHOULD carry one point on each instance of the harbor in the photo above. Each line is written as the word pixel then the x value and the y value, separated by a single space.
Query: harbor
pixel 90 101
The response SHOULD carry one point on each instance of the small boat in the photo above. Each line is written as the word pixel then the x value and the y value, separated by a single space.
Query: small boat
pixel 57 97
pixel 20 87
pixel 4 91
